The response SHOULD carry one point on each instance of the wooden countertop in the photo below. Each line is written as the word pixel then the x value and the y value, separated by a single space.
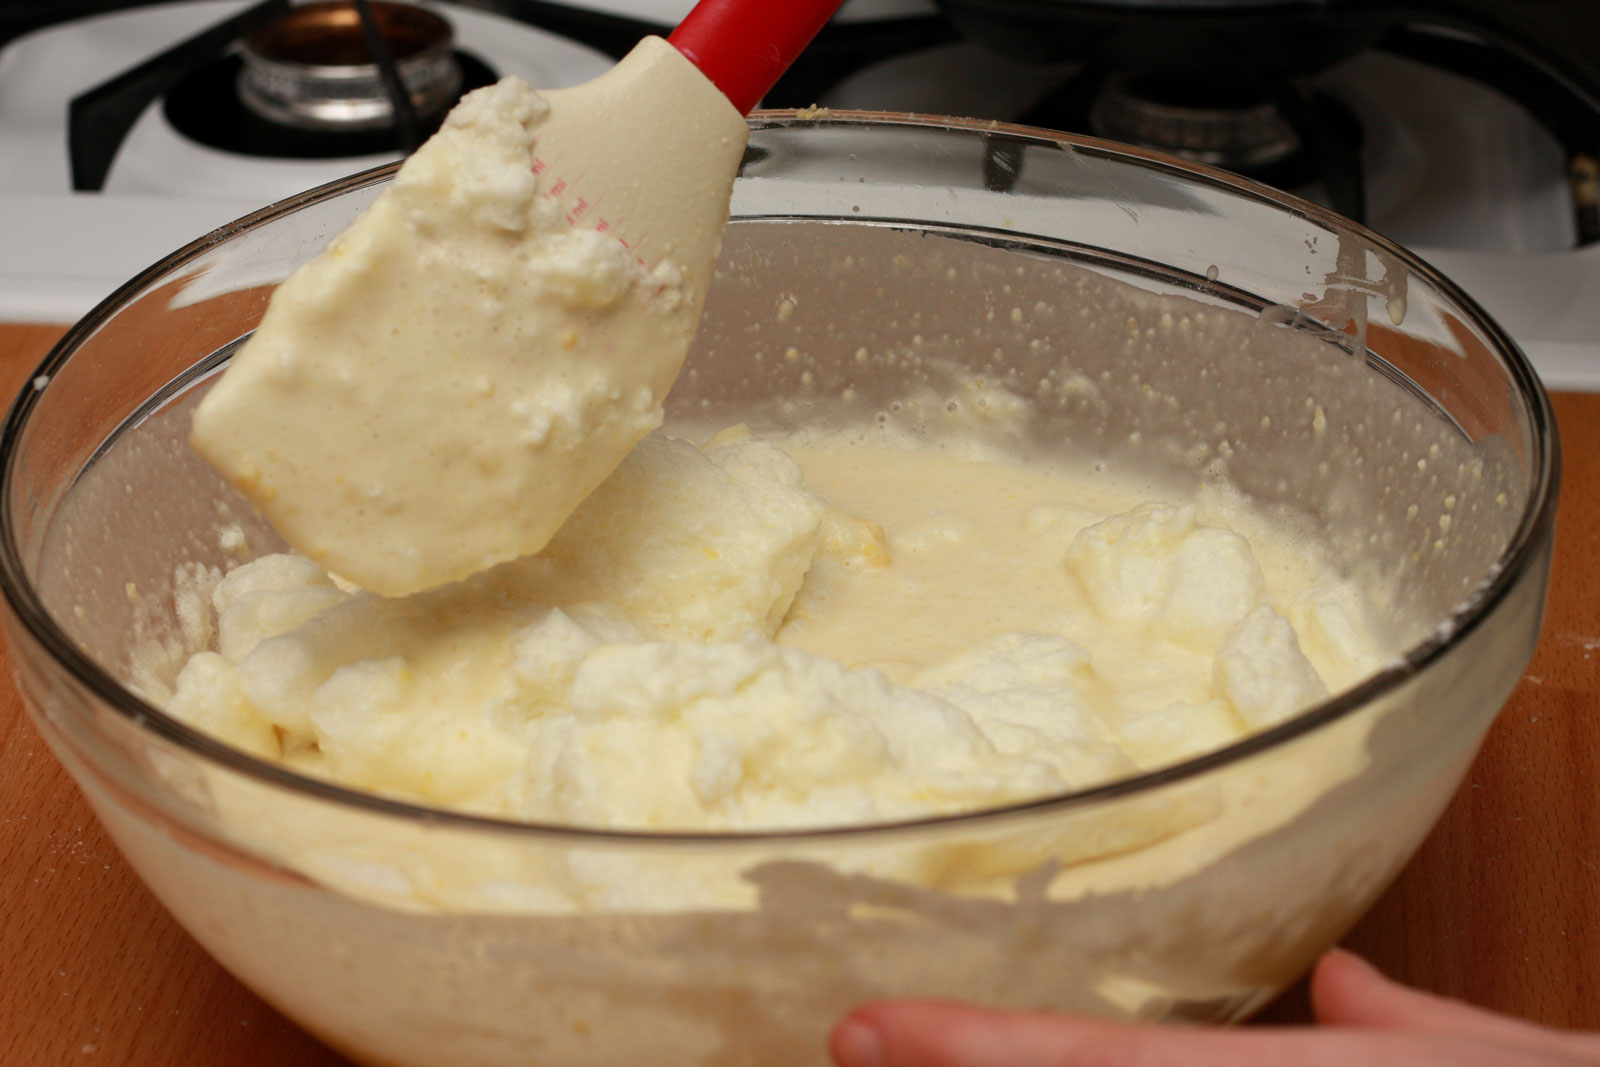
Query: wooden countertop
pixel 1501 906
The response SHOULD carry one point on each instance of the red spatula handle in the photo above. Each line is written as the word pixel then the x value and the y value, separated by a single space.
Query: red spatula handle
pixel 744 46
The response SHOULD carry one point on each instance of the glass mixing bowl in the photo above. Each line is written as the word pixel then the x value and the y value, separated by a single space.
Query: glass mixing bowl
pixel 1167 319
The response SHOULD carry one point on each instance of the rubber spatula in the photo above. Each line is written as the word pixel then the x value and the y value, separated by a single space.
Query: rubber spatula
pixel 451 377
pixel 649 148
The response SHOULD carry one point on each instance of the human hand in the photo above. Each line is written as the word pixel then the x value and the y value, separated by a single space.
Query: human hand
pixel 1365 1019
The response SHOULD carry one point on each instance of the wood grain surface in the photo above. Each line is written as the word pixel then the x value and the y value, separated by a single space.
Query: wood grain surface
pixel 1501 907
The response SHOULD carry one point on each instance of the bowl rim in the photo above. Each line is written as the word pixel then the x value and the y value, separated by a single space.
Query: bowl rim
pixel 1533 532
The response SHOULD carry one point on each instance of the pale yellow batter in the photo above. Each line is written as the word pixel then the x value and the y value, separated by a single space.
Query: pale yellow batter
pixel 802 632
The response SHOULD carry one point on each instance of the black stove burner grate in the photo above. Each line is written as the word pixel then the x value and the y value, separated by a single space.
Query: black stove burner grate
pixel 1327 135
pixel 1534 64
pixel 101 118
pixel 205 107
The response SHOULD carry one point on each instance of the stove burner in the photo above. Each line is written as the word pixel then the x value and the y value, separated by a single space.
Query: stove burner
pixel 1266 129
pixel 311 69
pixel 1216 124
pixel 208 107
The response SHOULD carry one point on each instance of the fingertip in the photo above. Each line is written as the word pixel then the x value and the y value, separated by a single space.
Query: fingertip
pixel 1342 984
pixel 867 1036
pixel 924 1032
pixel 856 1043
pixel 1340 964
pixel 945 1033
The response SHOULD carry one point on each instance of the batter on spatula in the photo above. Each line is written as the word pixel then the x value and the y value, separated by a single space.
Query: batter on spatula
pixel 438 389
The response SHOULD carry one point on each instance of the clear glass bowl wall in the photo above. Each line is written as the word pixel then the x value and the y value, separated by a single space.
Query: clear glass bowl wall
pixel 1167 319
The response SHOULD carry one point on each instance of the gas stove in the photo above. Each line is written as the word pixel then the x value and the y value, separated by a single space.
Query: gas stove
pixel 1461 150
